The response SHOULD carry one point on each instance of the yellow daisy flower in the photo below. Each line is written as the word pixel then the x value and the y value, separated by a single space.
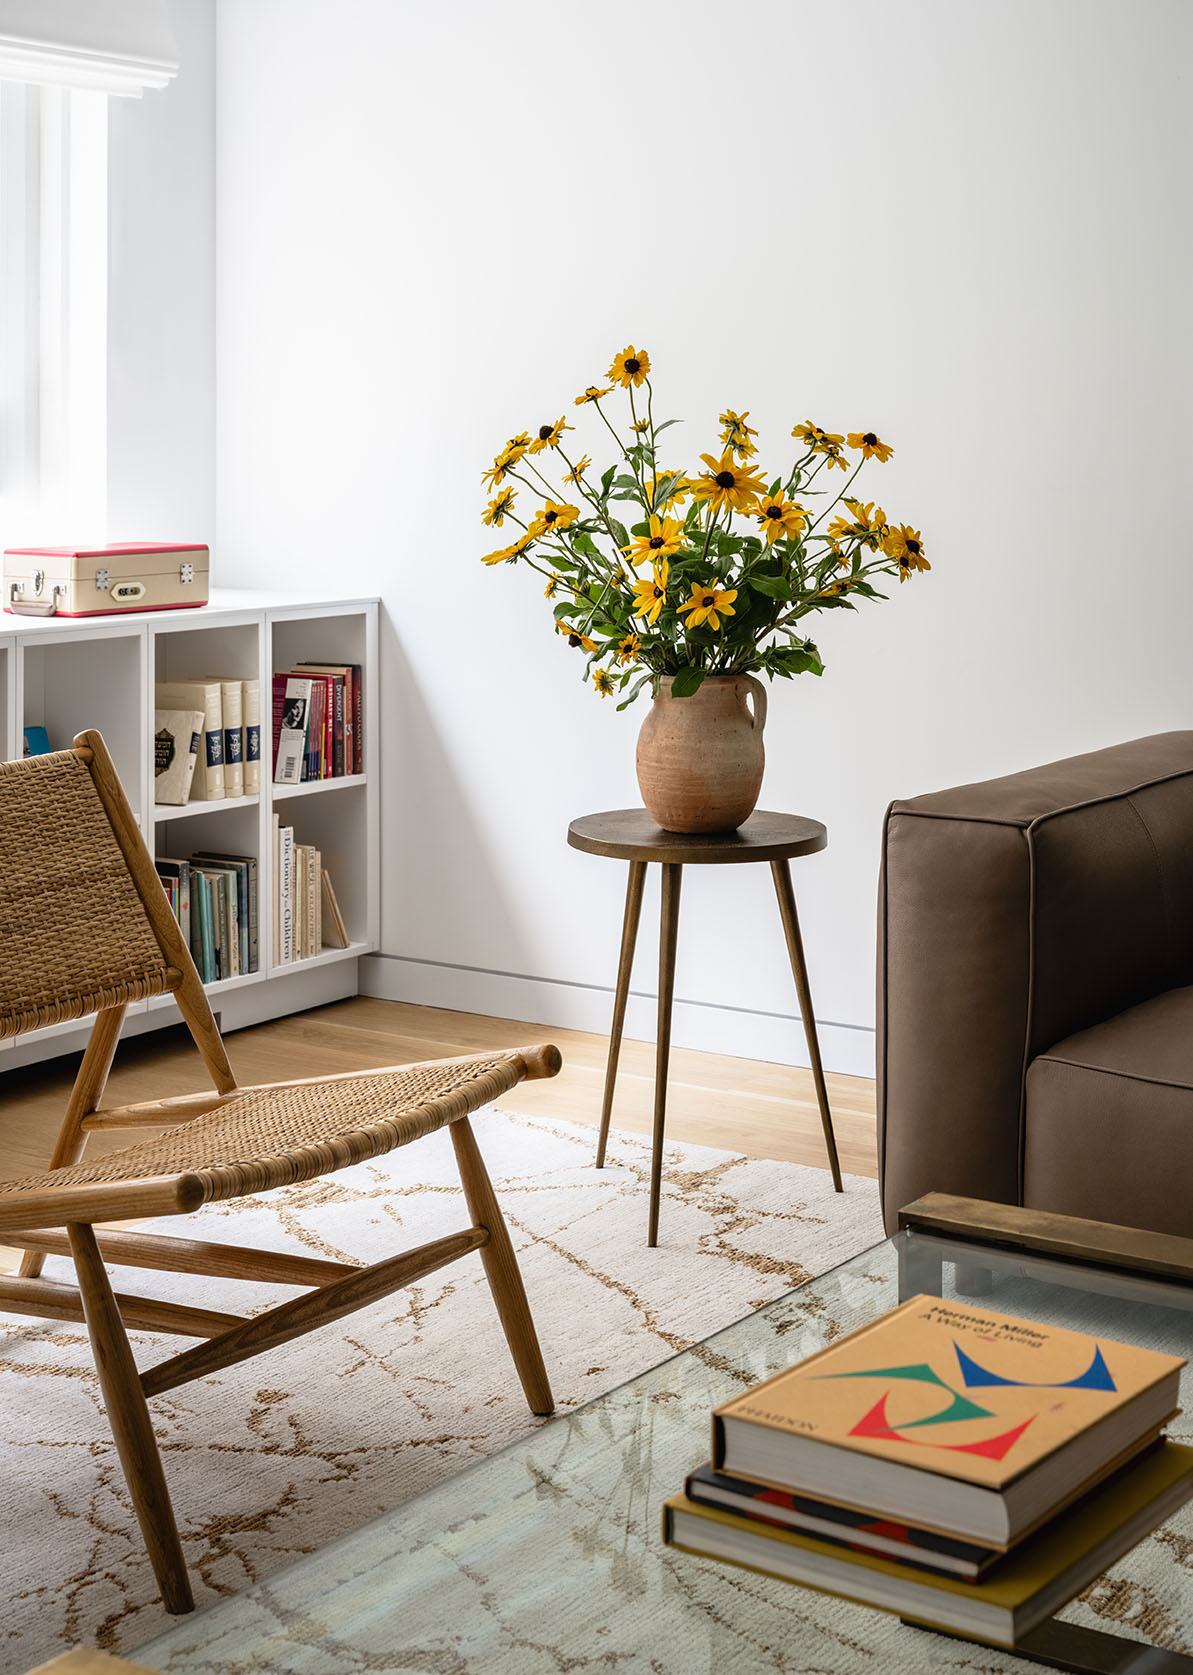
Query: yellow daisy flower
pixel 903 544
pixel 552 587
pixel 864 522
pixel 592 393
pixel 678 492
pixel 826 442
pixel 841 585
pixel 603 681
pixel 737 433
pixel 630 367
pixel 578 470
pixel 549 436
pixel 554 517
pixel 641 427
pixel 664 540
pixel 726 483
pixel 575 637
pixel 651 596
pixel 521 545
pixel 781 518
pixel 506 459
pixel 871 447
pixel 628 649
pixel 709 604
pixel 499 507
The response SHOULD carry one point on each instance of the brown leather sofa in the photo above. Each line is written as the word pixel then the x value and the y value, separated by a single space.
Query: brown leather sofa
pixel 1035 989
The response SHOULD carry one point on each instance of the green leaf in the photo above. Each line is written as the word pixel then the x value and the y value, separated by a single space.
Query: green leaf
pixel 606 478
pixel 686 682
pixel 624 482
pixel 775 587
pixel 774 488
pixel 619 533
pixel 584 543
pixel 636 688
pixel 666 425
pixel 640 529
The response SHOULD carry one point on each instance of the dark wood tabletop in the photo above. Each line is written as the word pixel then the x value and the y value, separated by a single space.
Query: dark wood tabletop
pixel 629 834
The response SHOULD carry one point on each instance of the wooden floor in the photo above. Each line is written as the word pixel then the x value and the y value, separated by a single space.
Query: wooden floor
pixel 764 1110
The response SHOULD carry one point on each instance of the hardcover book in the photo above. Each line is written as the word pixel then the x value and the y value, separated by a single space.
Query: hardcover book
pixel 292 709
pixel 251 705
pixel 208 785
pixel 843 1525
pixel 950 1416
pixel 1022 1591
pixel 177 740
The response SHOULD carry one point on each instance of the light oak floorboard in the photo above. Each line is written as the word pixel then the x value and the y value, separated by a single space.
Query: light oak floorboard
pixel 748 1105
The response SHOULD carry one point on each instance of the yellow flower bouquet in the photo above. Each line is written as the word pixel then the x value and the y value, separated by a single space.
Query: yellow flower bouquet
pixel 685 591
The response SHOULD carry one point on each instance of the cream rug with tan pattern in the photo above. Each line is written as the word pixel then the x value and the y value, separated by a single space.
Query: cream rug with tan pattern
pixel 277 1457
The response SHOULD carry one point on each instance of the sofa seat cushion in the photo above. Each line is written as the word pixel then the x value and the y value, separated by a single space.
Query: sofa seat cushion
pixel 1108 1129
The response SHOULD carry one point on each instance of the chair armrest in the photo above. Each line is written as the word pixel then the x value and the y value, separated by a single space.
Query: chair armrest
pixel 1012 913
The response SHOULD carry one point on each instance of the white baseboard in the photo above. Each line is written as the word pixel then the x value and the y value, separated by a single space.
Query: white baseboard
pixel 775 1036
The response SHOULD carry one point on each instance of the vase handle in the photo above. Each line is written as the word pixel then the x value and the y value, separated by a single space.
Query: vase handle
pixel 758 693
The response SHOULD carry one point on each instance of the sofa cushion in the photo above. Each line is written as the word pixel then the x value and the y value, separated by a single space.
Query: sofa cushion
pixel 1108 1127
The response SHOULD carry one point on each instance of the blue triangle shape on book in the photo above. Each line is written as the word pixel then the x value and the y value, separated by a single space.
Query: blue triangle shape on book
pixel 1095 1377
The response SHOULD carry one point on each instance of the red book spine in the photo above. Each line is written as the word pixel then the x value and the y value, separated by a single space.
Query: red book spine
pixel 337 766
pixel 329 726
pixel 358 732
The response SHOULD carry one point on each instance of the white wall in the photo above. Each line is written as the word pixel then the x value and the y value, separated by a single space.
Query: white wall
pixel 962 225
pixel 161 297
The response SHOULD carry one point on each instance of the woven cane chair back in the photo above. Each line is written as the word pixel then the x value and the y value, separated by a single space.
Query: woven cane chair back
pixel 74 934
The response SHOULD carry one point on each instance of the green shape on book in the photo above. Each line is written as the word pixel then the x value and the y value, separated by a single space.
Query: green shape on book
pixel 921 1373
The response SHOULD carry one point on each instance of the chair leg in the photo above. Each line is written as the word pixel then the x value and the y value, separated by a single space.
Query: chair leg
pixel 84 1097
pixel 501 1269
pixel 132 1428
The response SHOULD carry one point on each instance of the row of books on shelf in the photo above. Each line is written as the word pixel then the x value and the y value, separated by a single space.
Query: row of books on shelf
pixel 968 1470
pixel 215 899
pixel 206 740
pixel 317 722
pixel 306 914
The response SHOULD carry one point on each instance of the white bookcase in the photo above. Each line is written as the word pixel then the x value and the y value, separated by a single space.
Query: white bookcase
pixel 70 674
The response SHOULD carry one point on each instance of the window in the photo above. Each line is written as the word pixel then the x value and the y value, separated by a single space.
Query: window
pixel 53 310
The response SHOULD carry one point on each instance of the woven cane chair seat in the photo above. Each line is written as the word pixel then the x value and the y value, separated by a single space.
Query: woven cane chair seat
pixel 269 1137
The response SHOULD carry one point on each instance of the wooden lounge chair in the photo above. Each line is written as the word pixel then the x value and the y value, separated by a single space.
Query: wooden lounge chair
pixel 85 927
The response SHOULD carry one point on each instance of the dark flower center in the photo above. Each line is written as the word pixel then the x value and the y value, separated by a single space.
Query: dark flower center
pixel 709 599
pixel 869 439
pixel 656 592
pixel 574 639
pixel 914 547
pixel 633 365
pixel 550 517
pixel 725 479
pixel 545 431
pixel 656 541
pixel 774 512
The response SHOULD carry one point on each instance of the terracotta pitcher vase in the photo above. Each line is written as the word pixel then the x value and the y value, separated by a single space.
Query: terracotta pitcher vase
pixel 700 759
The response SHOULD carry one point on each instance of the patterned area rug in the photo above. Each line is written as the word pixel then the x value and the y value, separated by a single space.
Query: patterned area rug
pixel 273 1459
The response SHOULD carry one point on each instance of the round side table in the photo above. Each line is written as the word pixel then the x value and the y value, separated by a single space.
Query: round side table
pixel 629 834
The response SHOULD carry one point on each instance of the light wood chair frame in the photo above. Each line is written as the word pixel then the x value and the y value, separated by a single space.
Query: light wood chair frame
pixel 62 1220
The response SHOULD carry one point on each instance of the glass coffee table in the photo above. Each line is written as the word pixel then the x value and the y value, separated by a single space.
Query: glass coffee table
pixel 547 1557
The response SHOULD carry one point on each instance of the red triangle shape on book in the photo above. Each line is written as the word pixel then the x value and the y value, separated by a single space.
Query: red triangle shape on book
pixel 875 1424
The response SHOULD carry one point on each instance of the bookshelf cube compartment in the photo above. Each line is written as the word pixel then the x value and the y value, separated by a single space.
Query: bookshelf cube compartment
pixel 230 832
pixel 71 683
pixel 336 825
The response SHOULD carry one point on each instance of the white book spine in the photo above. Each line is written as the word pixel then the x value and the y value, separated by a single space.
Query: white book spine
pixel 286 886
pixel 231 703
pixel 275 917
pixel 251 708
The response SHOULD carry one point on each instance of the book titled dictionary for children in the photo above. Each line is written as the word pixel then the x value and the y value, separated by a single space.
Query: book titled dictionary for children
pixel 951 1417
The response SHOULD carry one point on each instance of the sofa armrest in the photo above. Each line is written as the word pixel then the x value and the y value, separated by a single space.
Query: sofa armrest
pixel 1012 913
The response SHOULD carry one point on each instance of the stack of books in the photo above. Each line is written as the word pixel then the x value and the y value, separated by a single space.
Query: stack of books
pixel 306 914
pixel 214 898
pixel 968 1470
pixel 207 740
pixel 317 722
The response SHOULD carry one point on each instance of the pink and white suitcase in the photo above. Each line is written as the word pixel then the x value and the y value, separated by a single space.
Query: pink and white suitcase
pixel 94 581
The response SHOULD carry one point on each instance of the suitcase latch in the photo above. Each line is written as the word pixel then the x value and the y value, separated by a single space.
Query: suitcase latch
pixel 186 573
pixel 39 580
pixel 128 590
pixel 103 580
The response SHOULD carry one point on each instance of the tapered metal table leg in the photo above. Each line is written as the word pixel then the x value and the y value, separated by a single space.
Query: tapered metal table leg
pixel 625 964
pixel 795 949
pixel 668 936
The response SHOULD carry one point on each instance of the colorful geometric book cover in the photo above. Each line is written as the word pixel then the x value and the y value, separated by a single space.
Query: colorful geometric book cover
pixel 952 1388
